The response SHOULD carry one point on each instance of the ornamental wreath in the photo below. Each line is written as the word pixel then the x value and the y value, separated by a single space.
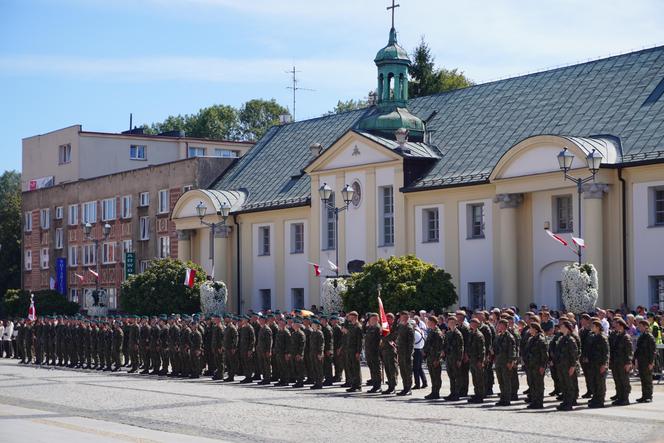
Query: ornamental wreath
pixel 331 294
pixel 580 287
pixel 214 296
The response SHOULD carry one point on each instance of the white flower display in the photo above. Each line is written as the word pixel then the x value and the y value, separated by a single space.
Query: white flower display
pixel 214 296
pixel 579 287
pixel 331 295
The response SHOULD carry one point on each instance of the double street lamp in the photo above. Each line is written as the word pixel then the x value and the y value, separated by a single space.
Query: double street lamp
pixel 347 194
pixel 223 212
pixel 105 230
pixel 593 161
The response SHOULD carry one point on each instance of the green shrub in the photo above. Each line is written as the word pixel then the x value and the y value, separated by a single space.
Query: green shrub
pixel 48 302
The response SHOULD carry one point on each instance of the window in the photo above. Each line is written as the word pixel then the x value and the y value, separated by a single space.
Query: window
pixel 144 265
pixel 297 298
pixel 72 256
pixel 28 221
pixel 430 230
pixel 196 152
pixel 90 212
pixel 386 216
pixel 59 238
pixel 164 247
pixel 657 291
pixel 264 240
pixel 329 225
pixel 145 228
pixel 59 213
pixel 163 201
pixel 108 209
pixel 126 247
pixel 475 220
pixel 477 295
pixel 657 206
pixel 126 207
pixel 144 199
pixel 73 295
pixel 218 152
pixel 108 253
pixel 137 152
pixel 563 212
pixel 266 299
pixel 73 215
pixel 45 218
pixel 187 188
pixel 28 260
pixel 89 255
pixel 64 154
pixel 112 298
pixel 297 238
pixel 43 258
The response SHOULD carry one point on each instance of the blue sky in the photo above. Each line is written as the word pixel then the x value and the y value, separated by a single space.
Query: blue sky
pixel 92 62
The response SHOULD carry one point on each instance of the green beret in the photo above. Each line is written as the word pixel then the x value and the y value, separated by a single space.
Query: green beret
pixel 315 321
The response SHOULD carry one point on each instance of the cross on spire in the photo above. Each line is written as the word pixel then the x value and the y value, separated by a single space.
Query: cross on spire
pixel 393 7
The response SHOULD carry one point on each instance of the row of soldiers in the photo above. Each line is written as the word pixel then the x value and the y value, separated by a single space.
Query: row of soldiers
pixel 322 350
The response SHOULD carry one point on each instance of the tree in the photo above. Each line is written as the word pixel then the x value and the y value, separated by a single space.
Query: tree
pixel 160 289
pixel 257 116
pixel 10 230
pixel 349 105
pixel 406 282
pixel 48 302
pixel 425 79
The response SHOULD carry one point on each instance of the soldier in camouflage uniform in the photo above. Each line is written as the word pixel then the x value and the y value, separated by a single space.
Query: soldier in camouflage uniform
pixel 155 347
pixel 185 348
pixel 388 353
pixel 231 340
pixel 644 357
pixel 453 353
pixel 297 345
pixel 195 349
pixel 476 352
pixel 163 344
pixel 433 350
pixel 337 335
pixel 536 365
pixel 216 332
pixel 174 332
pixel 621 362
pixel 246 344
pixel 264 351
pixel 328 351
pixel 405 346
pixel 463 374
pixel 372 334
pixel 598 361
pixel 272 323
pixel 118 342
pixel 133 332
pixel 282 350
pixel 316 351
pixel 567 354
pixel 505 356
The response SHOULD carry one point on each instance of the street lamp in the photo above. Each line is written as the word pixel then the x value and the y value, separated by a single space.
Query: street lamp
pixel 593 161
pixel 106 230
pixel 224 212
pixel 325 193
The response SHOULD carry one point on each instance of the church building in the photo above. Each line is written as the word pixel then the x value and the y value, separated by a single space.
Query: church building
pixel 469 180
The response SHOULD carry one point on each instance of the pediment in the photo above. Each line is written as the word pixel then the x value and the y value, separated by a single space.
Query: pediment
pixel 352 150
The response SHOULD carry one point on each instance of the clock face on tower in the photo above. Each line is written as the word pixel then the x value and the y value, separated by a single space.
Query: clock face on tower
pixel 357 195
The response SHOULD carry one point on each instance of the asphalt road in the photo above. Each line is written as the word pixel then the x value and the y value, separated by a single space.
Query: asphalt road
pixel 65 405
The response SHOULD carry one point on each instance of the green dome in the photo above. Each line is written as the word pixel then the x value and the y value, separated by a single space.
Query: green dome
pixel 386 123
pixel 392 52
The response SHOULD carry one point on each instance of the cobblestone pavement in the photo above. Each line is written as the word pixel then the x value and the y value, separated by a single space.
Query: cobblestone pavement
pixel 55 404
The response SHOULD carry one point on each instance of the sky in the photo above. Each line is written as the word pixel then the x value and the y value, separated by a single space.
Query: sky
pixel 93 62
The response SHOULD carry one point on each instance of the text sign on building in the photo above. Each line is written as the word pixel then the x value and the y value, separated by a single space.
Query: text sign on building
pixel 61 275
pixel 130 264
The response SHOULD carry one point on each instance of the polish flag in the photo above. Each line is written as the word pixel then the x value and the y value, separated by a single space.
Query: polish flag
pixel 32 312
pixel 581 243
pixel 190 277
pixel 333 267
pixel 93 273
pixel 383 318
pixel 80 277
pixel 557 238
pixel 316 268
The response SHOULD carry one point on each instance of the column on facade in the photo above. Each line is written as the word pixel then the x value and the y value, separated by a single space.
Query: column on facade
pixel 184 245
pixel 593 229
pixel 221 254
pixel 508 248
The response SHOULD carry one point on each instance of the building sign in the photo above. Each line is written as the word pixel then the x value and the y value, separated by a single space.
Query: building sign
pixel 39 183
pixel 130 264
pixel 61 275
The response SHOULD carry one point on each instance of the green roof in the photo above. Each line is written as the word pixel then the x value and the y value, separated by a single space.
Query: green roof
pixel 473 127
pixel 392 52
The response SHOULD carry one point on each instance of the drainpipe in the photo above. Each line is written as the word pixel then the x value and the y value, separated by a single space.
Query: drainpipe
pixel 238 266
pixel 623 204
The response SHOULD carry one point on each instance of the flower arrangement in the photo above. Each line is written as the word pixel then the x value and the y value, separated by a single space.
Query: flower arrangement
pixel 331 294
pixel 214 296
pixel 580 287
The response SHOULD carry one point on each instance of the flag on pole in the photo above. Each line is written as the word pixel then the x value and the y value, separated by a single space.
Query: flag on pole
pixel 32 312
pixel 93 273
pixel 190 277
pixel 80 277
pixel 383 318
pixel 333 267
pixel 316 268
pixel 52 283
pixel 581 243
pixel 557 238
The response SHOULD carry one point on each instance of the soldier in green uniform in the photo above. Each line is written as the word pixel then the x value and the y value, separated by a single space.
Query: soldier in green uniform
pixel 453 352
pixel 476 354
pixel 405 345
pixel 164 350
pixel 567 354
pixel 489 331
pixel 185 347
pixel 272 324
pixel 264 350
pixel 124 324
pixel 101 332
pixel 50 341
pixel 316 350
pixel 505 356
pixel 644 357
pixel 174 332
pixel 246 343
pixel 195 349
pixel 118 342
pixel 553 343
pixel 20 340
pixel 536 362
pixel 144 345
pixel 621 362
pixel 306 328
pixel 372 334
pixel 337 335
pixel 388 353
pixel 598 360
pixel 87 344
pixel 133 332
pixel 297 344
pixel 29 340
pixel 462 375
pixel 282 351
pixel 433 349
pixel 328 351
pixel 512 329
pixel 585 337
pixel 352 350
pixel 108 345
pixel 231 340
pixel 217 347
pixel 155 347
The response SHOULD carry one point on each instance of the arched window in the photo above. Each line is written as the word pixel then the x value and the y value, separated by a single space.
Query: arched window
pixel 402 89
pixel 380 86
pixel 390 82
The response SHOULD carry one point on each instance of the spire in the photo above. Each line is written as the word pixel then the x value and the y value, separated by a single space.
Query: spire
pixel 393 37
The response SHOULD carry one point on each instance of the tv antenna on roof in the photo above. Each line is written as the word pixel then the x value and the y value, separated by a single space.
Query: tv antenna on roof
pixel 295 87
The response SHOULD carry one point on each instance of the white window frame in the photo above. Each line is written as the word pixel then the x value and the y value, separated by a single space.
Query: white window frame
pixel 386 219
pixel 143 199
pixel 108 253
pixel 72 256
pixel 138 152
pixel 126 207
pixel 144 228
pixel 471 222
pixel 108 209
pixel 568 225
pixel 59 213
pixel 112 297
pixel 297 244
pixel 430 225
pixel 89 212
pixel 144 265
pixel 196 151
pixel 263 245
pixel 127 246
pixel 43 258
pixel 89 255
pixel 59 238
pixel 187 188
pixel 28 259
pixel 74 294
pixel 45 218
pixel 163 205
pixel 224 153
pixel 64 154
pixel 72 215
pixel 28 221
pixel 328 229
pixel 654 212
pixel 164 246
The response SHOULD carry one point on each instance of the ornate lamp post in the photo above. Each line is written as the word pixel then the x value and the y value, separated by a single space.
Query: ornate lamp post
pixel 87 230
pixel 224 212
pixel 325 193
pixel 593 160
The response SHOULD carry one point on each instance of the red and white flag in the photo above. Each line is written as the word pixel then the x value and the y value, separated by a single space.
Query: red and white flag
pixel 316 268
pixel 581 243
pixel 557 238
pixel 383 318
pixel 333 267
pixel 32 312
pixel 190 277
pixel 93 272
pixel 80 277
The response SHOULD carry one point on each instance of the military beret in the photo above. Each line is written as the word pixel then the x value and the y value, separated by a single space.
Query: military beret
pixel 323 316
pixel 315 321
pixel 282 319
pixel 297 321
pixel 536 326
pixel 277 311
pixel 270 315
pixel 334 317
